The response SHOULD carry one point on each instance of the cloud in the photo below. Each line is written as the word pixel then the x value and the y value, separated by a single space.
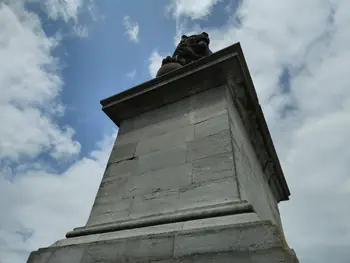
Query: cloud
pixel 131 29
pixel 42 200
pixel 30 84
pixel 131 74
pixel 196 9
pixel 155 61
pixel 81 31
pixel 67 10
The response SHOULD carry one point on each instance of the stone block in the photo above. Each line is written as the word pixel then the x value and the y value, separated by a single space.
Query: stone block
pixel 190 197
pixel 250 236
pixel 166 140
pixel 212 126
pixel 163 158
pixel 106 252
pixel 210 145
pixel 214 192
pixel 77 240
pixel 109 210
pixel 165 113
pixel 115 187
pixel 208 104
pixel 120 169
pixel 108 217
pixel 41 256
pixel 72 254
pixel 153 204
pixel 142 231
pixel 172 177
pixel 271 255
pixel 150 248
pixel 275 255
pixel 220 221
pixel 213 168
pixel 156 129
pixel 122 152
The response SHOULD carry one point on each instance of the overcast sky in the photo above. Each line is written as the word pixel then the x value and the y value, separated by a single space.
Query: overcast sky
pixel 59 58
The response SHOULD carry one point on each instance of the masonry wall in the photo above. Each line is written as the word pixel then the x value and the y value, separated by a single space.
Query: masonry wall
pixel 252 181
pixel 174 158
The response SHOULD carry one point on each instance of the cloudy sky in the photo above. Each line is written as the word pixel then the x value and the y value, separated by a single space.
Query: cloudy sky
pixel 59 58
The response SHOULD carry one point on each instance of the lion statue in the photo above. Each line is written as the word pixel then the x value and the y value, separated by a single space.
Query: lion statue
pixel 190 48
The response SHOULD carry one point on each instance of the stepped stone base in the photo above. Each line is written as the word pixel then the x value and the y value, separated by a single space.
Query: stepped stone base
pixel 232 238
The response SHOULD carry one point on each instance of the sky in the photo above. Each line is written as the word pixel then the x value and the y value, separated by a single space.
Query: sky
pixel 59 58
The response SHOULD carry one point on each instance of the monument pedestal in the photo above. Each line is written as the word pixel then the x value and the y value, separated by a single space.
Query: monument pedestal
pixel 193 175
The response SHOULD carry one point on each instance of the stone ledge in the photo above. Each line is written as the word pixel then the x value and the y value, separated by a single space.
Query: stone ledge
pixel 192 226
pixel 236 235
pixel 199 213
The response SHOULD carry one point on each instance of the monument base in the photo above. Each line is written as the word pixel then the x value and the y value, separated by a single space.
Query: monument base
pixel 233 238
pixel 193 175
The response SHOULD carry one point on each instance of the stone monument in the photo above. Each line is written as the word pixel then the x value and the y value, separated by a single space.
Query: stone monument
pixel 193 175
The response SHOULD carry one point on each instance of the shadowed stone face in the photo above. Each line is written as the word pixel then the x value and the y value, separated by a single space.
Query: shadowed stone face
pixel 190 48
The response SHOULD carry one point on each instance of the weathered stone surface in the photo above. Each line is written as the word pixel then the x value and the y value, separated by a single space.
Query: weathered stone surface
pixel 208 104
pixel 213 168
pixel 152 130
pixel 172 177
pixel 166 140
pixel 120 169
pixel 164 113
pixel 158 247
pixel 167 229
pixel 212 126
pixel 233 237
pixel 265 256
pixel 252 181
pixel 114 187
pixel 224 239
pixel 214 192
pixel 160 159
pixel 106 252
pixel 220 221
pixel 41 256
pixel 122 152
pixel 76 240
pixel 210 145
pixel 68 254
pixel 153 204
pixel 108 209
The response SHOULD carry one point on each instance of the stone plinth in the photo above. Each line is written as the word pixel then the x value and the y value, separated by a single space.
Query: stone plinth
pixel 193 175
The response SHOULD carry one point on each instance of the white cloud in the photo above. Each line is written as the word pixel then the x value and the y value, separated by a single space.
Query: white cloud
pixel 131 29
pixel 81 31
pixel 155 61
pixel 131 74
pixel 30 85
pixel 66 9
pixel 195 9
pixel 45 205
